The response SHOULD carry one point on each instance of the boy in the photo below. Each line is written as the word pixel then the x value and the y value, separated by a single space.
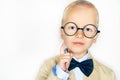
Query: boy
pixel 79 31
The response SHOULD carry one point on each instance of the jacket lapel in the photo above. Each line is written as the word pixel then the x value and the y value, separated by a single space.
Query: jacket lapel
pixel 72 76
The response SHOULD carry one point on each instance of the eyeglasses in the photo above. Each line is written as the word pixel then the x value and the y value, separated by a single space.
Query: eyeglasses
pixel 89 30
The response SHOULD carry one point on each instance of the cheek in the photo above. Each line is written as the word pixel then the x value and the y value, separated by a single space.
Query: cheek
pixel 89 43
pixel 68 40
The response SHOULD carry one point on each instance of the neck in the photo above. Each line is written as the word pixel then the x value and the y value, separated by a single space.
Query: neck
pixel 79 55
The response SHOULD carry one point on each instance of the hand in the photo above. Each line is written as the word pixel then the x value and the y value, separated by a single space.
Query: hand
pixel 64 59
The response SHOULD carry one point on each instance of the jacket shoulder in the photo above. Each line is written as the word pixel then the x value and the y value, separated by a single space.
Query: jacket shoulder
pixel 104 71
pixel 49 63
pixel 46 68
pixel 103 67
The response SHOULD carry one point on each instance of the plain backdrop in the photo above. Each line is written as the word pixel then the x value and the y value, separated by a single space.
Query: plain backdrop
pixel 29 34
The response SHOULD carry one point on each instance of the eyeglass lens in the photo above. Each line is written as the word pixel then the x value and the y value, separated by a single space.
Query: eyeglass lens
pixel 88 30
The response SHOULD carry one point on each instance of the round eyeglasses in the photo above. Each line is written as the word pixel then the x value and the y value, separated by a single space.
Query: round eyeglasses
pixel 89 30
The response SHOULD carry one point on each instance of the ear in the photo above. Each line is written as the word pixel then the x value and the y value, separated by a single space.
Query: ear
pixel 61 34
pixel 95 39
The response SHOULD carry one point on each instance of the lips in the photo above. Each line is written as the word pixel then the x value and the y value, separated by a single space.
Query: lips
pixel 78 43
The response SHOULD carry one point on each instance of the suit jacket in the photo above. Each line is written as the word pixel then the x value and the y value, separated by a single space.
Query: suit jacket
pixel 100 72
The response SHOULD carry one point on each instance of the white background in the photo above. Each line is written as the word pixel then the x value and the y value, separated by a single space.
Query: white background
pixel 29 34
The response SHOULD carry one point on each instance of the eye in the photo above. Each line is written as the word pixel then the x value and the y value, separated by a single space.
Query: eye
pixel 88 29
pixel 72 27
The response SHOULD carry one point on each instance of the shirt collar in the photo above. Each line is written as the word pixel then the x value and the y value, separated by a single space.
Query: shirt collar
pixel 85 57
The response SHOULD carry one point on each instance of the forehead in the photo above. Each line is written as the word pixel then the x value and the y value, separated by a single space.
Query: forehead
pixel 81 14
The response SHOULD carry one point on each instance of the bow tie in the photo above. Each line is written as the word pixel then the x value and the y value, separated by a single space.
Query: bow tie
pixel 85 66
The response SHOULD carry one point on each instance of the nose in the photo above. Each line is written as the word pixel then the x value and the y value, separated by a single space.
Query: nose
pixel 79 34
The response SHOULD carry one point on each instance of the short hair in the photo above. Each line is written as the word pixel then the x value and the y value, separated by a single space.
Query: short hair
pixel 79 3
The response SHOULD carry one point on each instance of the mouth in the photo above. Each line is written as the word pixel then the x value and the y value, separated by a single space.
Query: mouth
pixel 78 43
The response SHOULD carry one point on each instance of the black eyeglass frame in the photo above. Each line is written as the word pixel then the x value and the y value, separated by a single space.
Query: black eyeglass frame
pixel 97 31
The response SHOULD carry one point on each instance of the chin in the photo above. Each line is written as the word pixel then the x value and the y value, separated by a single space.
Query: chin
pixel 78 50
pixel 74 50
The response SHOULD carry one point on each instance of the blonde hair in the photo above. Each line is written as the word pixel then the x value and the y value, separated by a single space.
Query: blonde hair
pixel 79 3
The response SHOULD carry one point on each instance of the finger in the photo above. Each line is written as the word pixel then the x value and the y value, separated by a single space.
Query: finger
pixel 67 65
pixel 64 61
pixel 66 56
pixel 62 48
pixel 71 53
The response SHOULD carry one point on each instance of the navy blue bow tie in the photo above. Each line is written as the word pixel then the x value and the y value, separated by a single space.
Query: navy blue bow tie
pixel 86 66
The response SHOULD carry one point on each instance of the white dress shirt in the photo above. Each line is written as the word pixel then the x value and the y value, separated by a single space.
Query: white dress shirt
pixel 64 75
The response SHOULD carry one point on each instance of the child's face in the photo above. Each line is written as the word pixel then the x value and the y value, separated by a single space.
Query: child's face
pixel 81 16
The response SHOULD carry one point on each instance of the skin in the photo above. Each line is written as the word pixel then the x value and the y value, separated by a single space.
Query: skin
pixel 81 15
